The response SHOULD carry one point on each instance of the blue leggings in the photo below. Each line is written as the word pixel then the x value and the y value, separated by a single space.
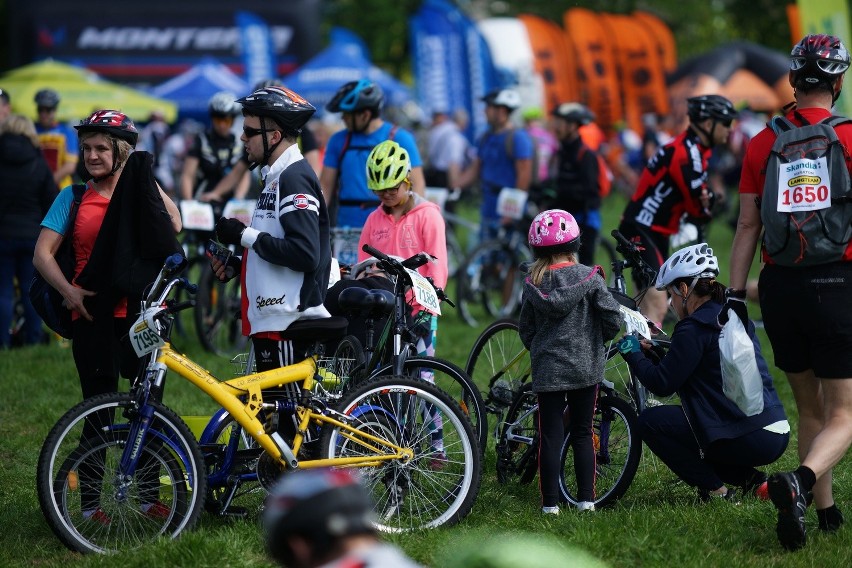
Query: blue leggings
pixel 727 461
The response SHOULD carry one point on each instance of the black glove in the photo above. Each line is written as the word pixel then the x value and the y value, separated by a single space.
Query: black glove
pixel 228 231
pixel 734 300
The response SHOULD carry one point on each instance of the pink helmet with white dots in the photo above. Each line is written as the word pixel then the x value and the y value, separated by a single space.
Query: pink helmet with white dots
pixel 552 232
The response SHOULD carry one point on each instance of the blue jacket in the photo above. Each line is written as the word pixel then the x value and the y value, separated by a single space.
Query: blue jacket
pixel 692 369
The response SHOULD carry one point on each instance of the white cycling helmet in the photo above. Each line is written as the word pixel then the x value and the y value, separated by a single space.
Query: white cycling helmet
pixel 508 98
pixel 696 261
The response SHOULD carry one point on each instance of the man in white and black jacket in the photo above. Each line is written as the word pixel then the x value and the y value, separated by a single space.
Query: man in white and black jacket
pixel 285 267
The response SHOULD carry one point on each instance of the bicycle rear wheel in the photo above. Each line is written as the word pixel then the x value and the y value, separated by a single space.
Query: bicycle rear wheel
pixel 435 486
pixel 217 306
pixel 453 381
pixel 617 372
pixel 618 449
pixel 499 364
pixel 517 447
pixel 90 504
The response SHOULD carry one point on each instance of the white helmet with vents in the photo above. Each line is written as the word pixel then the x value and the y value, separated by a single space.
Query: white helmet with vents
pixel 696 261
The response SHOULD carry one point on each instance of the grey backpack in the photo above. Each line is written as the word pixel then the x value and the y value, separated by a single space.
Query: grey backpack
pixel 795 233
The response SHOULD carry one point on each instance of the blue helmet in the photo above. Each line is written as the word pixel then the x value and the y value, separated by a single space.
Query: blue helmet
pixel 357 95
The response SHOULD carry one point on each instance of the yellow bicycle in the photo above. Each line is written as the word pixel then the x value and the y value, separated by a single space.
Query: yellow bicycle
pixel 122 469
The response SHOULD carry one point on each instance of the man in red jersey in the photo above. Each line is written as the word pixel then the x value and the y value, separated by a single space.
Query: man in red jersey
pixel 674 183
pixel 807 310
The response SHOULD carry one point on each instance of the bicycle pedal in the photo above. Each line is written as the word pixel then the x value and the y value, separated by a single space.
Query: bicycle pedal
pixel 235 511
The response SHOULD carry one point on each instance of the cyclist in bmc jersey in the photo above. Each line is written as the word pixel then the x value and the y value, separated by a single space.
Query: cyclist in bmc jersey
pixel 673 184
pixel 344 174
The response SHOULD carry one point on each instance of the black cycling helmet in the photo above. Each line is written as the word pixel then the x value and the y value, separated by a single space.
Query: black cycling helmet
pixel 47 98
pixel 716 107
pixel 574 112
pixel 110 122
pixel 818 58
pixel 357 95
pixel 321 505
pixel 283 107
pixel 286 108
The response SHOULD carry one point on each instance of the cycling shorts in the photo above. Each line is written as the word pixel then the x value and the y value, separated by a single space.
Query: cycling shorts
pixel 807 313
pixel 655 253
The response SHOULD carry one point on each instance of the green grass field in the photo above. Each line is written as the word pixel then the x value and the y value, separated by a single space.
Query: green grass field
pixel 659 522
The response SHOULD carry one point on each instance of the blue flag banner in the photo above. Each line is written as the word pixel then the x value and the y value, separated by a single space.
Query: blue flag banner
pixel 451 62
pixel 257 48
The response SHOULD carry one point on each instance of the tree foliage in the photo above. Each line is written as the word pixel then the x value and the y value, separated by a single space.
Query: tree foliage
pixel 698 25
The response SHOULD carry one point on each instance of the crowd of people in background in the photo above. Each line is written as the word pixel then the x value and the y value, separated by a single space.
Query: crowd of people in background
pixel 368 173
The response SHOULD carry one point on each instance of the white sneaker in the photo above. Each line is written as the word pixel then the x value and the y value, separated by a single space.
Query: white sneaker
pixel 550 510
pixel 586 506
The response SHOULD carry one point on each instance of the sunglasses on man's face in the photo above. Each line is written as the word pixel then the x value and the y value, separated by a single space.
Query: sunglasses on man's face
pixel 45 110
pixel 252 132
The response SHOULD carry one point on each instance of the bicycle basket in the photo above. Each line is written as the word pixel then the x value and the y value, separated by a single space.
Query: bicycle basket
pixel 239 364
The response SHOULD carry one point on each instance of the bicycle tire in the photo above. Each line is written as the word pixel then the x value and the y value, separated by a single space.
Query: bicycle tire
pixel 344 366
pixel 618 372
pixel 517 446
pixel 217 306
pixel 489 283
pixel 618 449
pixel 451 379
pixel 433 488
pixel 172 464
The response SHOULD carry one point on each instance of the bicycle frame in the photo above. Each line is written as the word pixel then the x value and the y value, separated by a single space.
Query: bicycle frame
pixel 227 393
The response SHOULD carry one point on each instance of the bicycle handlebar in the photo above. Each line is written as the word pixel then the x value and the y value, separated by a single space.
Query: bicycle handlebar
pixel 397 268
pixel 632 254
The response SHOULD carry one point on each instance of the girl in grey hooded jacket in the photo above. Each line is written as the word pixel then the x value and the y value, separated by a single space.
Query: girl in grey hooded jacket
pixel 567 314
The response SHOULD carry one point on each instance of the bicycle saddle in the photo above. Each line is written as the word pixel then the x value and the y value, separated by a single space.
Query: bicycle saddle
pixel 369 303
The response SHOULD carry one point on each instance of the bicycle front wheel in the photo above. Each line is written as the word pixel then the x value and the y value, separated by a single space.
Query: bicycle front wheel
pixel 438 481
pixel 91 503
pixel 618 449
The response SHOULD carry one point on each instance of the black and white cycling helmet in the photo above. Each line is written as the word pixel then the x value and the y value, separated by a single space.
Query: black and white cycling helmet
pixel 357 95
pixel 223 103
pixel 574 112
pixel 696 261
pixel 320 504
pixel 818 58
pixel 508 98
pixel 46 98
pixel 716 107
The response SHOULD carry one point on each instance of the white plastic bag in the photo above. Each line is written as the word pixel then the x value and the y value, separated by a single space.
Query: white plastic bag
pixel 741 381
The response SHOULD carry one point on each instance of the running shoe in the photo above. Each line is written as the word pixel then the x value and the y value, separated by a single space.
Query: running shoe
pixel 586 506
pixel 158 511
pixel 100 517
pixel 550 510
pixel 785 490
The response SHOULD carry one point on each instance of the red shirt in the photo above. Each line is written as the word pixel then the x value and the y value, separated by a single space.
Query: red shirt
pixel 753 175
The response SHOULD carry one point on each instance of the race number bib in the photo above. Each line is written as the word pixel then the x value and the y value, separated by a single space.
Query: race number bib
pixel 804 185
pixel 424 292
pixel 143 338
pixel 240 209
pixel 635 322
pixel 196 216
pixel 512 203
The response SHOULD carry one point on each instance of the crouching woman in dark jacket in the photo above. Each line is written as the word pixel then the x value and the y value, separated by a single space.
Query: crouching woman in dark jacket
pixel 707 441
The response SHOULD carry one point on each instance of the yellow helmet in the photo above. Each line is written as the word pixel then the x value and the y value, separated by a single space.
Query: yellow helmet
pixel 387 166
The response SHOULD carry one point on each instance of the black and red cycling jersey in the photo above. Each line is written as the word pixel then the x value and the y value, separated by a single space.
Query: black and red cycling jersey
pixel 670 185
